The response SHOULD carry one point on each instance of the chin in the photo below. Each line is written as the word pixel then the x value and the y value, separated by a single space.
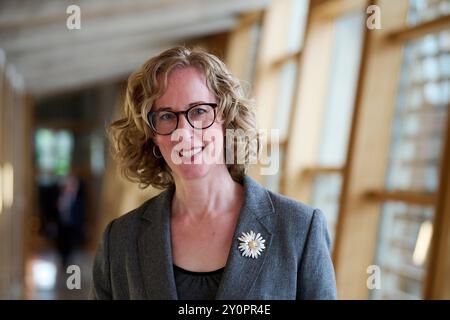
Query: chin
pixel 192 171
pixel 192 163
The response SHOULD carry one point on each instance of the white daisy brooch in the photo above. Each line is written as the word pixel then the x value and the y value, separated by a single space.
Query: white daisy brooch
pixel 251 244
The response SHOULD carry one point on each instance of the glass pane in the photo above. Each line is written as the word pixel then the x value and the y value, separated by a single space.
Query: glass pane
pixel 284 30
pixel 405 230
pixel 426 10
pixel 272 182
pixel 341 89
pixel 284 101
pixel 255 35
pixel 338 114
pixel 44 149
pixel 420 120
pixel 404 240
pixel 97 153
pixel 53 151
pixel 326 192
pixel 299 15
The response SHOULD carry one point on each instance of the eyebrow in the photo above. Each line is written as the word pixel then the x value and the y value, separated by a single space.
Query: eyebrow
pixel 188 106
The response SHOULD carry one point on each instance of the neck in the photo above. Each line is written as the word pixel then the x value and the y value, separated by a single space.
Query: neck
pixel 212 195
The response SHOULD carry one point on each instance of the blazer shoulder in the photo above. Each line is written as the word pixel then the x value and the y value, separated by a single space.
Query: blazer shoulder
pixel 298 227
pixel 131 216
pixel 287 206
pixel 129 222
pixel 295 216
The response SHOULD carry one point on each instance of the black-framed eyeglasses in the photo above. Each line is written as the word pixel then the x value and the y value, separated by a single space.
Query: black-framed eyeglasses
pixel 199 116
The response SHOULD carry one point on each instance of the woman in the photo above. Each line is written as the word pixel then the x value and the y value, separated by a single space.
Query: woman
pixel 214 233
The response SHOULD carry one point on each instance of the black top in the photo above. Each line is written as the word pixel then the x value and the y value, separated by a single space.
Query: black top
pixel 197 285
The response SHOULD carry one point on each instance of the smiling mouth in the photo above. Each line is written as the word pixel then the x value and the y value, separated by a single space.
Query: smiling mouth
pixel 191 152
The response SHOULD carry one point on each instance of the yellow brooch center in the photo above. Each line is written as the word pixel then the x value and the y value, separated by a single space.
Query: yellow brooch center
pixel 252 244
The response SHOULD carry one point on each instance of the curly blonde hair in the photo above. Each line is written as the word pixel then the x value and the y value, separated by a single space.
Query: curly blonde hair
pixel 131 135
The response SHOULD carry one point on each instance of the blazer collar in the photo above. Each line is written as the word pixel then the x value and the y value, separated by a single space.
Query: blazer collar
pixel 155 249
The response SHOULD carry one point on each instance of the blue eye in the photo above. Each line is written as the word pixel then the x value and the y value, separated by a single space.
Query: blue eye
pixel 166 116
pixel 198 111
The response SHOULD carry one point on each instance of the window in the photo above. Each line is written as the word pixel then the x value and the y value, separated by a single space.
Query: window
pixel 54 151
pixel 414 161
pixel 337 116
pixel 326 193
pixel 405 234
pixel 276 75
pixel 420 121
pixel 425 10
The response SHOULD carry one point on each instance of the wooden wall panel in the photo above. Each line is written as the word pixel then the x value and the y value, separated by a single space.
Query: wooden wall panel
pixel 14 192
pixel 357 227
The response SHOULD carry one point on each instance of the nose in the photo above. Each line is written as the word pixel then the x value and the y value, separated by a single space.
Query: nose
pixel 184 131
pixel 183 122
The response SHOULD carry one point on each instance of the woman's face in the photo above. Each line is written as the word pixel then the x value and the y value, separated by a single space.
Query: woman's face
pixel 190 153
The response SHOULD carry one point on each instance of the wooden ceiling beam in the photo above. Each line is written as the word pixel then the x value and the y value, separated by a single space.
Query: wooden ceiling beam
pixel 35 64
pixel 84 76
pixel 54 11
pixel 93 30
pixel 40 79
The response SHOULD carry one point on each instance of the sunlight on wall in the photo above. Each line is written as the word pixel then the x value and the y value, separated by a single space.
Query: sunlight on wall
pixel 6 186
pixel 44 274
pixel 423 243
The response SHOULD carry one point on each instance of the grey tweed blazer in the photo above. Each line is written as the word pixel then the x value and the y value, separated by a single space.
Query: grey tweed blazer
pixel 134 258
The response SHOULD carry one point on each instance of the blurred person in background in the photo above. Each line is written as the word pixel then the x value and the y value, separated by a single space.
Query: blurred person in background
pixel 48 195
pixel 71 214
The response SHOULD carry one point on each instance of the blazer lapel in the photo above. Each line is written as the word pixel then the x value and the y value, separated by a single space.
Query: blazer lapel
pixel 241 272
pixel 155 249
